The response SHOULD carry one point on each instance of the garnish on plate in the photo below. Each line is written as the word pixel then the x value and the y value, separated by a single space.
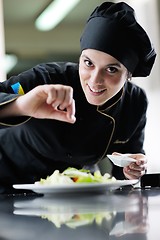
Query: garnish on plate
pixel 73 175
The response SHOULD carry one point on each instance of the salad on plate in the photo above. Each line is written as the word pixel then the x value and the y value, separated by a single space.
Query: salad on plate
pixel 73 175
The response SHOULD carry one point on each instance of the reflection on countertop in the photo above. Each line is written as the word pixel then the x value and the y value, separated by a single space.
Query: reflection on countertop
pixel 122 214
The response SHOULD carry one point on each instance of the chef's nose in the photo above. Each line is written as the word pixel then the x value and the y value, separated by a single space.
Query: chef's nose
pixel 96 77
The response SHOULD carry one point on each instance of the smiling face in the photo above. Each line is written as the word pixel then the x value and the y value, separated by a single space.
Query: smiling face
pixel 101 76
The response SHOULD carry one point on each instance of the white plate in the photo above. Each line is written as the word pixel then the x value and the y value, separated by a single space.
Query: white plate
pixel 121 160
pixel 75 188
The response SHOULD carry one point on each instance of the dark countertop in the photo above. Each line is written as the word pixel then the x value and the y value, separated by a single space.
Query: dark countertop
pixel 129 214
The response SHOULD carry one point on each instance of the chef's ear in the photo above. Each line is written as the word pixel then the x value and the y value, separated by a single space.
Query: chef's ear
pixel 129 76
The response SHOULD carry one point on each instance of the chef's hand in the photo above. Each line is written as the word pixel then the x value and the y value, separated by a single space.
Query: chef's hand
pixel 47 101
pixel 136 169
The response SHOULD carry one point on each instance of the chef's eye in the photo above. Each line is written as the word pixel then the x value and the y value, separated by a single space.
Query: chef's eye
pixel 88 63
pixel 112 69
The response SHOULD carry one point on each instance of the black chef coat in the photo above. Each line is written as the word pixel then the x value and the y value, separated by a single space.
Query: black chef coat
pixel 33 148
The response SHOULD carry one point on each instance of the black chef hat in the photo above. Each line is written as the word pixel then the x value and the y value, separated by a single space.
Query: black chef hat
pixel 113 29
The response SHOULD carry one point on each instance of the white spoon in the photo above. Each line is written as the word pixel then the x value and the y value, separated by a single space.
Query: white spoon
pixel 121 160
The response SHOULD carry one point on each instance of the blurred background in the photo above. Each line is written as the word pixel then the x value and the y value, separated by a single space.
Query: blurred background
pixel 23 45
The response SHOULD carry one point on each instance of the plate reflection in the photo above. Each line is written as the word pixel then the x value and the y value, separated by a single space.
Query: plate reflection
pixel 109 216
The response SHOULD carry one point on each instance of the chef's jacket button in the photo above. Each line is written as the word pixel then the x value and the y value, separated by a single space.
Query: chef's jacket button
pixel 69 155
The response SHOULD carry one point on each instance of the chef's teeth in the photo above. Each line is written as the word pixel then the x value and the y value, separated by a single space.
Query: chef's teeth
pixel 96 91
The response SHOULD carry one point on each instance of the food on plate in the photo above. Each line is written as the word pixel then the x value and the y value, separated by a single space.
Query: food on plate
pixel 73 175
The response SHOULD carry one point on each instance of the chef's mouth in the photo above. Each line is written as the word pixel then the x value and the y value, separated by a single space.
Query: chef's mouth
pixel 96 90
